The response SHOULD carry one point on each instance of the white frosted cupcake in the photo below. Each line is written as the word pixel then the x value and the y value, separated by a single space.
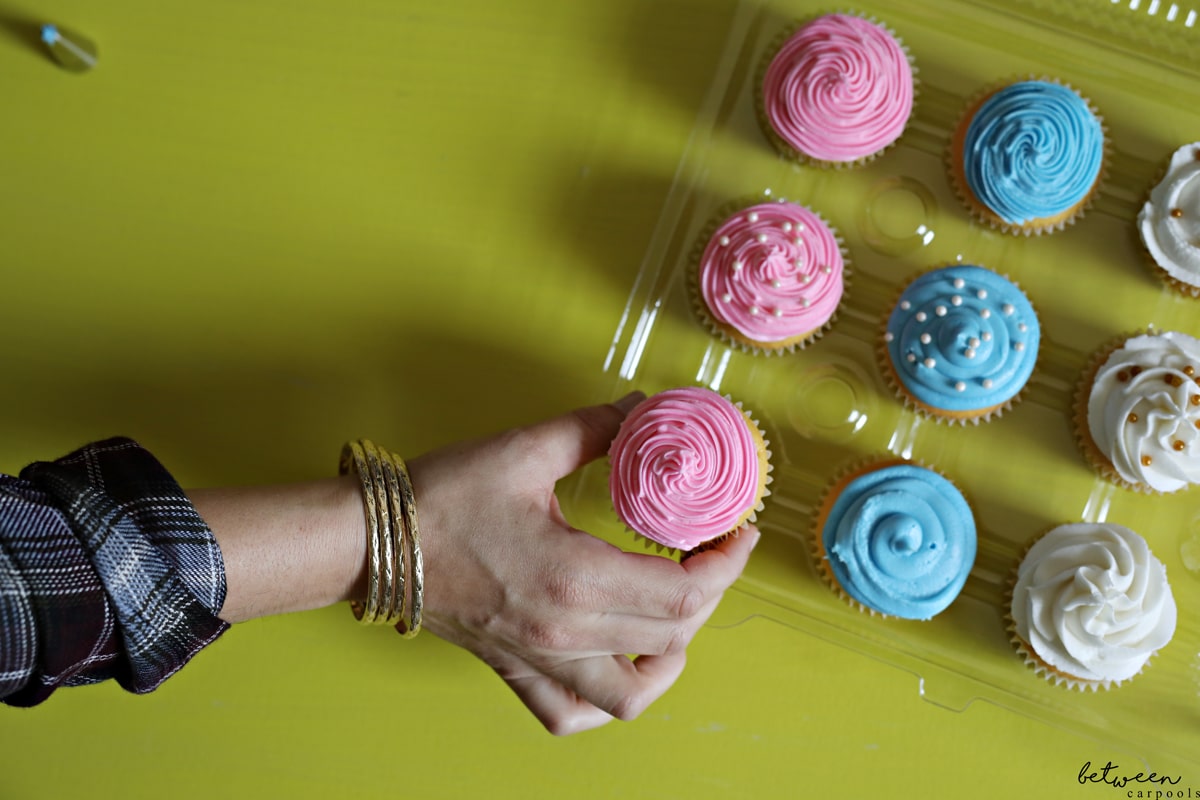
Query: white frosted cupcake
pixel 1169 222
pixel 1090 605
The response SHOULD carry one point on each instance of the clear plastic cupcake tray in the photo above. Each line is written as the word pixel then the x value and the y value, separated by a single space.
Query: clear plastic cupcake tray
pixel 1138 62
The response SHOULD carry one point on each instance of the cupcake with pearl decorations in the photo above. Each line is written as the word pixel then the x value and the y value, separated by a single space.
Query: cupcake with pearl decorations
pixel 769 277
pixel 895 539
pixel 688 466
pixel 1169 222
pixel 1137 412
pixel 836 90
pixel 1089 605
pixel 960 344
pixel 1028 157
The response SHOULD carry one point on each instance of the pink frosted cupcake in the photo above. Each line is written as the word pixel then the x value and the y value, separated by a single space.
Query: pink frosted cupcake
pixel 688 466
pixel 770 277
pixel 837 91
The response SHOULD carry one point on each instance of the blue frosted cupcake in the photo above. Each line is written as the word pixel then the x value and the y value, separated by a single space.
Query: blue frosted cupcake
pixel 895 539
pixel 960 344
pixel 1028 158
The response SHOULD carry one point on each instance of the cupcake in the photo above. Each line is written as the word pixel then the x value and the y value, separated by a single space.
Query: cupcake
pixel 1137 412
pixel 837 91
pixel 770 277
pixel 895 539
pixel 960 344
pixel 1169 222
pixel 1028 158
pixel 688 466
pixel 1090 605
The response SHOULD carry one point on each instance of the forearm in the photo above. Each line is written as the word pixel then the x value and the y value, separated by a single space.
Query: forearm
pixel 287 548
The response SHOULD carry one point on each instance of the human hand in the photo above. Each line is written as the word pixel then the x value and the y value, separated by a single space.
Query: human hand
pixel 553 610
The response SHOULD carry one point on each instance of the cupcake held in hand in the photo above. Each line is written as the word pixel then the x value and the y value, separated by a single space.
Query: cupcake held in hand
pixel 895 539
pixel 688 466
pixel 838 91
pixel 1028 158
pixel 960 344
pixel 1137 412
pixel 1090 605
pixel 770 277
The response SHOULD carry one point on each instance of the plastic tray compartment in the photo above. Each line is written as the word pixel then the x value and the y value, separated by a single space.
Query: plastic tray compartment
pixel 826 406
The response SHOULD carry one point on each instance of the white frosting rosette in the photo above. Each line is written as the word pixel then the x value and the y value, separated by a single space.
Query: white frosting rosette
pixel 1169 222
pixel 1091 603
pixel 1143 409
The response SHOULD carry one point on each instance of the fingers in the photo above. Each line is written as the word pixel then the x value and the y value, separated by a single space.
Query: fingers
pixel 570 441
pixel 559 709
pixel 617 685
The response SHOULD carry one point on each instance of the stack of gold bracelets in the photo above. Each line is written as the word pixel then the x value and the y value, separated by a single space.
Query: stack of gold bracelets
pixel 395 572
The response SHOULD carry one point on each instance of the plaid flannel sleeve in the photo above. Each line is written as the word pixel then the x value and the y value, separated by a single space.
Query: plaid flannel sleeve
pixel 106 571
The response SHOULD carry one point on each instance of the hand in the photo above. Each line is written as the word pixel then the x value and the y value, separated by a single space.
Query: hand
pixel 552 609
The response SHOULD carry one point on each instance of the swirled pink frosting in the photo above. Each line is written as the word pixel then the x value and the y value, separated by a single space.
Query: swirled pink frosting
pixel 685 467
pixel 773 272
pixel 840 89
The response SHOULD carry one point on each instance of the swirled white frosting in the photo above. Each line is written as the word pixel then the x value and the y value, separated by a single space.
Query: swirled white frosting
pixel 1169 222
pixel 1144 409
pixel 1093 602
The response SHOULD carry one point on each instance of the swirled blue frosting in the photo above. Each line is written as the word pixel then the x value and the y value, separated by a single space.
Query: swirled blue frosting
pixel 1032 150
pixel 901 540
pixel 963 339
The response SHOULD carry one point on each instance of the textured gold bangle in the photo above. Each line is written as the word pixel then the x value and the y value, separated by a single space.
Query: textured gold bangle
pixel 416 563
pixel 389 550
pixel 353 455
pixel 395 601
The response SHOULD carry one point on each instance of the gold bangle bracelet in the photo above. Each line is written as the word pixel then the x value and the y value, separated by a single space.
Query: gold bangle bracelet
pixel 415 559
pixel 353 456
pixel 394 608
pixel 389 553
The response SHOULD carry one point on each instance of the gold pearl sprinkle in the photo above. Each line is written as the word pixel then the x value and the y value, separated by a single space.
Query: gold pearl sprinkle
pixel 1178 445
pixel 1196 399
pixel 1189 370
pixel 1135 371
pixel 1132 417
pixel 1176 212
pixel 1122 376
pixel 1147 461
pixel 1173 380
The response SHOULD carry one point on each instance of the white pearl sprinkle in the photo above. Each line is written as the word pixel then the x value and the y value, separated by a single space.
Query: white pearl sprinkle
pixel 753 311
pixel 799 226
pixel 806 279
pixel 940 311
pixel 987 383
pixel 926 338
pixel 981 294
pixel 776 283
pixel 762 238
pixel 1022 327
pixel 727 297
pixel 969 353
pixel 752 216
pixel 724 240
pixel 777 312
pixel 905 305
pixel 804 301
pixel 972 342
pixel 960 387
pixel 985 313
pixel 987 336
pixel 959 283
pixel 929 362
pixel 798 242
pixel 737 266
pixel 911 357
pixel 956 300
pixel 888 336
pixel 921 316
pixel 1018 346
pixel 787 227
pixel 828 270
pixel 1008 309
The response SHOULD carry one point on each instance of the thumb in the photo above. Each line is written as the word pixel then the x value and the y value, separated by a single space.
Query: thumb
pixel 583 435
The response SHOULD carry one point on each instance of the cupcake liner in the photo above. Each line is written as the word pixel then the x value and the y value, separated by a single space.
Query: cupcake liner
pixel 777 142
pixel 985 215
pixel 892 378
pixel 1083 435
pixel 816 540
pixel 727 333
pixel 750 516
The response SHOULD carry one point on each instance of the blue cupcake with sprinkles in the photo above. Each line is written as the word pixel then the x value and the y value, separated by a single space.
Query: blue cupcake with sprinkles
pixel 1029 157
pixel 960 344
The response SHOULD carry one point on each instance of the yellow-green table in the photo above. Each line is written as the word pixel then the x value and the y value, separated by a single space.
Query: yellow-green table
pixel 258 229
